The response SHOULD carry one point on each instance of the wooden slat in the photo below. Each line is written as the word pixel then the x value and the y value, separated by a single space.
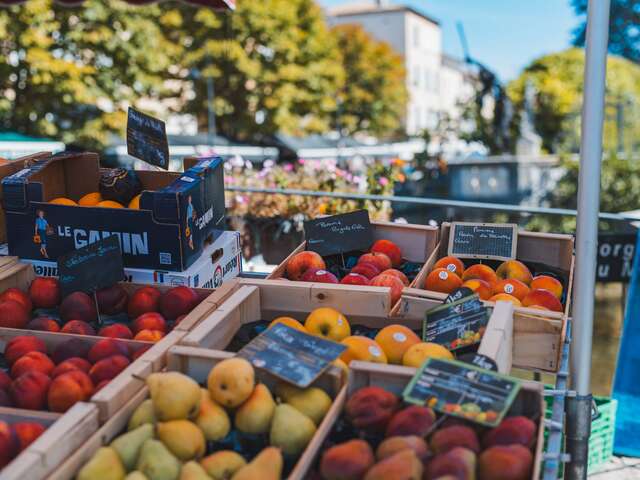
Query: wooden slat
pixel 497 341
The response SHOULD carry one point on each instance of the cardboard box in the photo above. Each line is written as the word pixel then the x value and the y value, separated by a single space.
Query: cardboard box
pixel 179 212
pixel 221 261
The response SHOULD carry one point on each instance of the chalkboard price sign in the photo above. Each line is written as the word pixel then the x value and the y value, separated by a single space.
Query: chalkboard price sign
pixel 495 241
pixel 458 294
pixel 147 139
pixel 456 325
pixel 339 233
pixel 291 355
pixel 462 390
pixel 98 265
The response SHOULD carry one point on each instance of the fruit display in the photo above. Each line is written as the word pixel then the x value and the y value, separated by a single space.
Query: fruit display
pixel 232 427
pixel 511 281
pixel 147 314
pixel 16 436
pixel 382 266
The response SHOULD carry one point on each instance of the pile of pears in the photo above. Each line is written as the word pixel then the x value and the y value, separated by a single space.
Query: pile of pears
pixel 173 434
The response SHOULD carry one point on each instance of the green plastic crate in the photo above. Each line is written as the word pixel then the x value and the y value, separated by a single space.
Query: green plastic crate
pixel 602 432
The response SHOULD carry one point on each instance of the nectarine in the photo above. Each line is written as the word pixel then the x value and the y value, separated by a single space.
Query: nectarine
pixel 397 273
pixel 318 276
pixel 442 280
pixel 78 327
pixel 178 301
pixel 149 321
pixel 511 286
pixel 78 306
pixel 67 389
pixel 21 345
pixel 380 260
pixel 542 298
pixel 367 269
pixel 44 292
pixel 482 288
pixel 44 324
pixel 112 300
pixel 453 264
pixel 505 297
pixel 303 261
pixel 514 269
pixel 13 315
pixel 394 283
pixel 483 272
pixel 354 279
pixel 27 432
pixel 116 330
pixel 143 300
pixel 546 282
pixel 29 390
pixel 32 361
pixel 390 249
pixel 19 296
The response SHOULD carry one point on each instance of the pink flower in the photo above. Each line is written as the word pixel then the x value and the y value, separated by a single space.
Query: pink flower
pixel 384 181
pixel 288 167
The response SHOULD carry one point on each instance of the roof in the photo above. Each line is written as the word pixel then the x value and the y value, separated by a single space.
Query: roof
pixel 372 9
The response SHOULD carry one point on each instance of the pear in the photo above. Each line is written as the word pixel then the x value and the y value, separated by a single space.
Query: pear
pixel 136 475
pixel 267 465
pixel 105 465
pixel 185 440
pixel 157 462
pixel 222 464
pixel 230 382
pixel 193 471
pixel 313 402
pixel 212 419
pixel 129 444
pixel 175 396
pixel 141 415
pixel 255 414
pixel 291 430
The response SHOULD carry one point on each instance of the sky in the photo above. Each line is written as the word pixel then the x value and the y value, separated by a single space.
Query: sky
pixel 505 35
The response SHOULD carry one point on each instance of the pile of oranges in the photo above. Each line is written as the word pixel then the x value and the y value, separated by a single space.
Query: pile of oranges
pixel 94 199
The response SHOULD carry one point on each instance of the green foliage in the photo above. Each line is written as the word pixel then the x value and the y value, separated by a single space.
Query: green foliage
pixel 374 97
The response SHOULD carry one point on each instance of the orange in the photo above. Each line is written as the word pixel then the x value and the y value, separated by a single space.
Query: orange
pixel 328 323
pixel 442 280
pixel 289 322
pixel 395 340
pixel 418 353
pixel 63 201
pixel 109 204
pixel 90 199
pixel 135 202
pixel 362 348
pixel 453 264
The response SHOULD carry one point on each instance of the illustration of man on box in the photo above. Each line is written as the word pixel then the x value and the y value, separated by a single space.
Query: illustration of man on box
pixel 41 230
pixel 191 217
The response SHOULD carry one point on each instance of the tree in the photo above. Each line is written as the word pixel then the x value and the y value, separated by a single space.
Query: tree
pixel 68 73
pixel 374 96
pixel 623 27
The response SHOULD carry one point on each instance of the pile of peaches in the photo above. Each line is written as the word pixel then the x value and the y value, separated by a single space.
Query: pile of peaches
pixel 15 437
pixel 379 438
pixel 146 315
pixel 379 268
pixel 512 281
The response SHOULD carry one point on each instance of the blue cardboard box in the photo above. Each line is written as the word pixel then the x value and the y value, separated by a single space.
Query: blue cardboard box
pixel 179 212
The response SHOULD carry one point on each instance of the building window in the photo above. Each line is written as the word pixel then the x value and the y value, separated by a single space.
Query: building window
pixel 416 36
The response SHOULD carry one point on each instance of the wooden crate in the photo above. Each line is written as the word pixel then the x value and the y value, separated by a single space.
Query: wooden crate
pixel 64 434
pixel 417 243
pixel 197 363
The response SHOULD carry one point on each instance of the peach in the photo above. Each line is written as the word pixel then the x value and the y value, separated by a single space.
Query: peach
pixel 515 270
pixel 19 296
pixel 380 260
pixel 112 300
pixel 398 274
pixel 108 368
pixel 403 465
pixel 78 306
pixel 44 324
pixel 74 347
pixel 505 297
pixel 27 432
pixel 149 321
pixel 45 292
pixel 106 348
pixel 482 288
pixel 354 279
pixel 346 461
pixel 394 445
pixel 411 420
pixel 483 272
pixel 303 261
pixel 390 249
pixel 149 336
pixel 442 280
pixel 458 462
pixel 143 300
pixel 542 298
pixel 453 264
pixel 448 438
pixel 505 462
pixel 318 276
pixel 366 269
pixel 512 287
pixel 13 315
pixel 73 363
pixel 116 330
pixel 546 282
pixel 362 348
pixel 395 340
pixel 9 443
pixel 289 322
pixel 32 361
pixel 67 389
pixel 5 399
pixel 29 390
pixel 78 327
pixel 394 283
pixel 178 301
pixel 371 408
pixel 5 380
pixel 100 386
pixel 21 345
pixel 512 430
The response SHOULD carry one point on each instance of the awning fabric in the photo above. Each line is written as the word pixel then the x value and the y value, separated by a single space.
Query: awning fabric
pixel 216 4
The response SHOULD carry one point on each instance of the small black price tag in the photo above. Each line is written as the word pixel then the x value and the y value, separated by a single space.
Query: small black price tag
pixel 98 265
pixel 291 355
pixel 479 360
pixel 462 390
pixel 147 139
pixel 496 241
pixel 456 325
pixel 458 294
pixel 339 233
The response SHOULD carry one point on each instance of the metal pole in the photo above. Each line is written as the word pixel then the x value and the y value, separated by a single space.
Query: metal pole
pixel 579 407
